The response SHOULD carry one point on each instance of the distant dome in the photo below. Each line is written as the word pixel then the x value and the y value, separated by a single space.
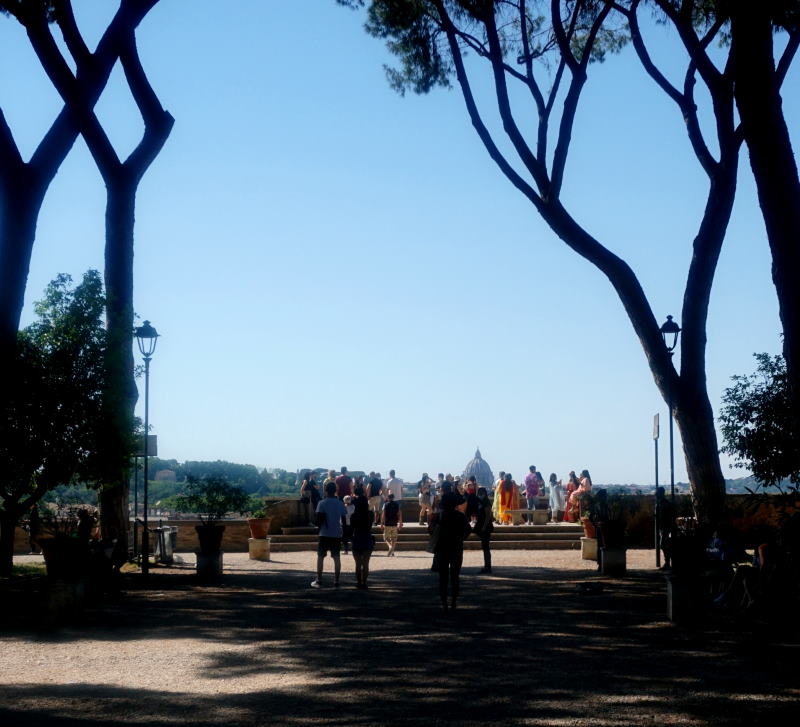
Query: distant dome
pixel 480 468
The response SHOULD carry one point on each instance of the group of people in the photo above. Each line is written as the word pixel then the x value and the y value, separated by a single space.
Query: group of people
pixel 564 502
pixel 347 509
pixel 346 515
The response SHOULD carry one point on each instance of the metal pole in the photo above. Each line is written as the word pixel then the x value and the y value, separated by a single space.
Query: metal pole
pixel 135 506
pixel 657 513
pixel 671 448
pixel 145 533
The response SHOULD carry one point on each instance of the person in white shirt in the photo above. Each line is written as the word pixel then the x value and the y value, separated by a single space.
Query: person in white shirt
pixel 395 486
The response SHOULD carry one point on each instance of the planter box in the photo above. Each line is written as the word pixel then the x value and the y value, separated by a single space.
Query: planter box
pixel 259 548
pixel 589 548
pixel 209 567
pixel 613 561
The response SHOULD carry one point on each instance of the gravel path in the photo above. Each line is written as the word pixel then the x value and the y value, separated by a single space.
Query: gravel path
pixel 526 647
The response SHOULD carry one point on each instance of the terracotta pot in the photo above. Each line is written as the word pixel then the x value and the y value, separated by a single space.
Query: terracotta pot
pixel 588 528
pixel 210 537
pixel 259 527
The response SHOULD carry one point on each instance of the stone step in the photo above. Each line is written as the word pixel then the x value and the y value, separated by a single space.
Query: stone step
pixel 560 529
pixel 422 538
pixel 471 544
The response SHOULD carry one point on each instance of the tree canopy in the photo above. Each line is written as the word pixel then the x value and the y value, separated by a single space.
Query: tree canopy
pixel 50 430
pixel 757 423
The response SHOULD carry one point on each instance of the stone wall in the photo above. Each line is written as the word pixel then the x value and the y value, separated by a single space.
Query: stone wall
pixel 744 514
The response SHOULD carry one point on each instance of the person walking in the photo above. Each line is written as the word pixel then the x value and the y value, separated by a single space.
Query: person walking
pixel 449 549
pixel 391 522
pixel 375 495
pixel 484 526
pixel 330 512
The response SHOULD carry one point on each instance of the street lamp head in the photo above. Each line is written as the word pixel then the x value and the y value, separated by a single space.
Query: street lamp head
pixel 669 332
pixel 146 337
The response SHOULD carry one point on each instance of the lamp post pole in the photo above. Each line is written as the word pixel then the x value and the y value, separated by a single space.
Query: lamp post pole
pixel 146 337
pixel 670 332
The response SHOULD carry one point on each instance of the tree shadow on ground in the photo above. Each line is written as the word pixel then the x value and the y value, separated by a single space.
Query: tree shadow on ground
pixel 525 647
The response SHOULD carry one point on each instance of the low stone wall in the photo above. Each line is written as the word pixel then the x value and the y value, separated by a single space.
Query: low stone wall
pixel 745 515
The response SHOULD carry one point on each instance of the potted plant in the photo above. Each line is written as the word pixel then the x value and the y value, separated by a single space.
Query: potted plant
pixel 586 510
pixel 64 540
pixel 258 520
pixel 210 498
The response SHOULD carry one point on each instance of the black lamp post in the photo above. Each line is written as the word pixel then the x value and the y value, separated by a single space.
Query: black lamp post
pixel 670 332
pixel 146 337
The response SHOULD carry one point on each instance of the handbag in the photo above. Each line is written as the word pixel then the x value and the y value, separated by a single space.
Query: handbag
pixel 305 500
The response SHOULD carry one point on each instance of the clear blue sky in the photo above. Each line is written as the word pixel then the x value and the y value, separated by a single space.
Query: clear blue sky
pixel 341 276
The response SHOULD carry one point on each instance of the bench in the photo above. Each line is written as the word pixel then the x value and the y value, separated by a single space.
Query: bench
pixel 540 517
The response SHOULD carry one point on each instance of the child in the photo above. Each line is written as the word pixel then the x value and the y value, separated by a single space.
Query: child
pixel 348 528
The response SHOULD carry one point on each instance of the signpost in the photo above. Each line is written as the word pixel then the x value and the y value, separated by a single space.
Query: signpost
pixel 656 508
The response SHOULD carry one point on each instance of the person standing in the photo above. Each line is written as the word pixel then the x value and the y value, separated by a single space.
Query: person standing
pixel 496 496
pixel 347 528
pixel 363 539
pixel 449 549
pixel 425 499
pixel 391 522
pixel 531 489
pixel 509 499
pixel 309 496
pixel 556 499
pixel 375 494
pixel 484 527
pixel 395 485
pixel 34 529
pixel 665 522
pixel 330 512
pixel 344 484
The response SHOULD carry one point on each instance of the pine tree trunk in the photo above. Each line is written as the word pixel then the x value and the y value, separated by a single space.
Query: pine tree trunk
pixel 121 393
pixel 773 164
pixel 695 419
pixel 19 210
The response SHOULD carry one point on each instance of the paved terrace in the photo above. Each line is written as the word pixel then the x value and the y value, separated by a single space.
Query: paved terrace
pixel 526 647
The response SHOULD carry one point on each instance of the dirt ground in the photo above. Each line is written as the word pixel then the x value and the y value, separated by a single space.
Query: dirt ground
pixel 526 647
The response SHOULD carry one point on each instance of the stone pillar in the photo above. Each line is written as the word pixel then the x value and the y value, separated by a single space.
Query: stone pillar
pixel 589 548
pixel 259 548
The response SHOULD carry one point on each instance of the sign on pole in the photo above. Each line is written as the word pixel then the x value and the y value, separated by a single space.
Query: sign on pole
pixel 655 427
pixel 152 446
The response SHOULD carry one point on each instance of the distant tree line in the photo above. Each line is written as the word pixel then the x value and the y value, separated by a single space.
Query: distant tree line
pixel 273 482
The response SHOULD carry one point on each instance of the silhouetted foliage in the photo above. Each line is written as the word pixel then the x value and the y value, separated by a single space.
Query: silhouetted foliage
pixel 50 428
pixel 757 425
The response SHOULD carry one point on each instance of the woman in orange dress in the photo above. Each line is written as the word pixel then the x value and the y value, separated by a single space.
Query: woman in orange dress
pixel 572 511
pixel 507 497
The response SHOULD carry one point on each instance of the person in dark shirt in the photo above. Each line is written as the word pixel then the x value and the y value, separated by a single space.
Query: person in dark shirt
pixel 449 548
pixel 391 522
pixel 484 525
pixel 363 540
pixel 375 495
